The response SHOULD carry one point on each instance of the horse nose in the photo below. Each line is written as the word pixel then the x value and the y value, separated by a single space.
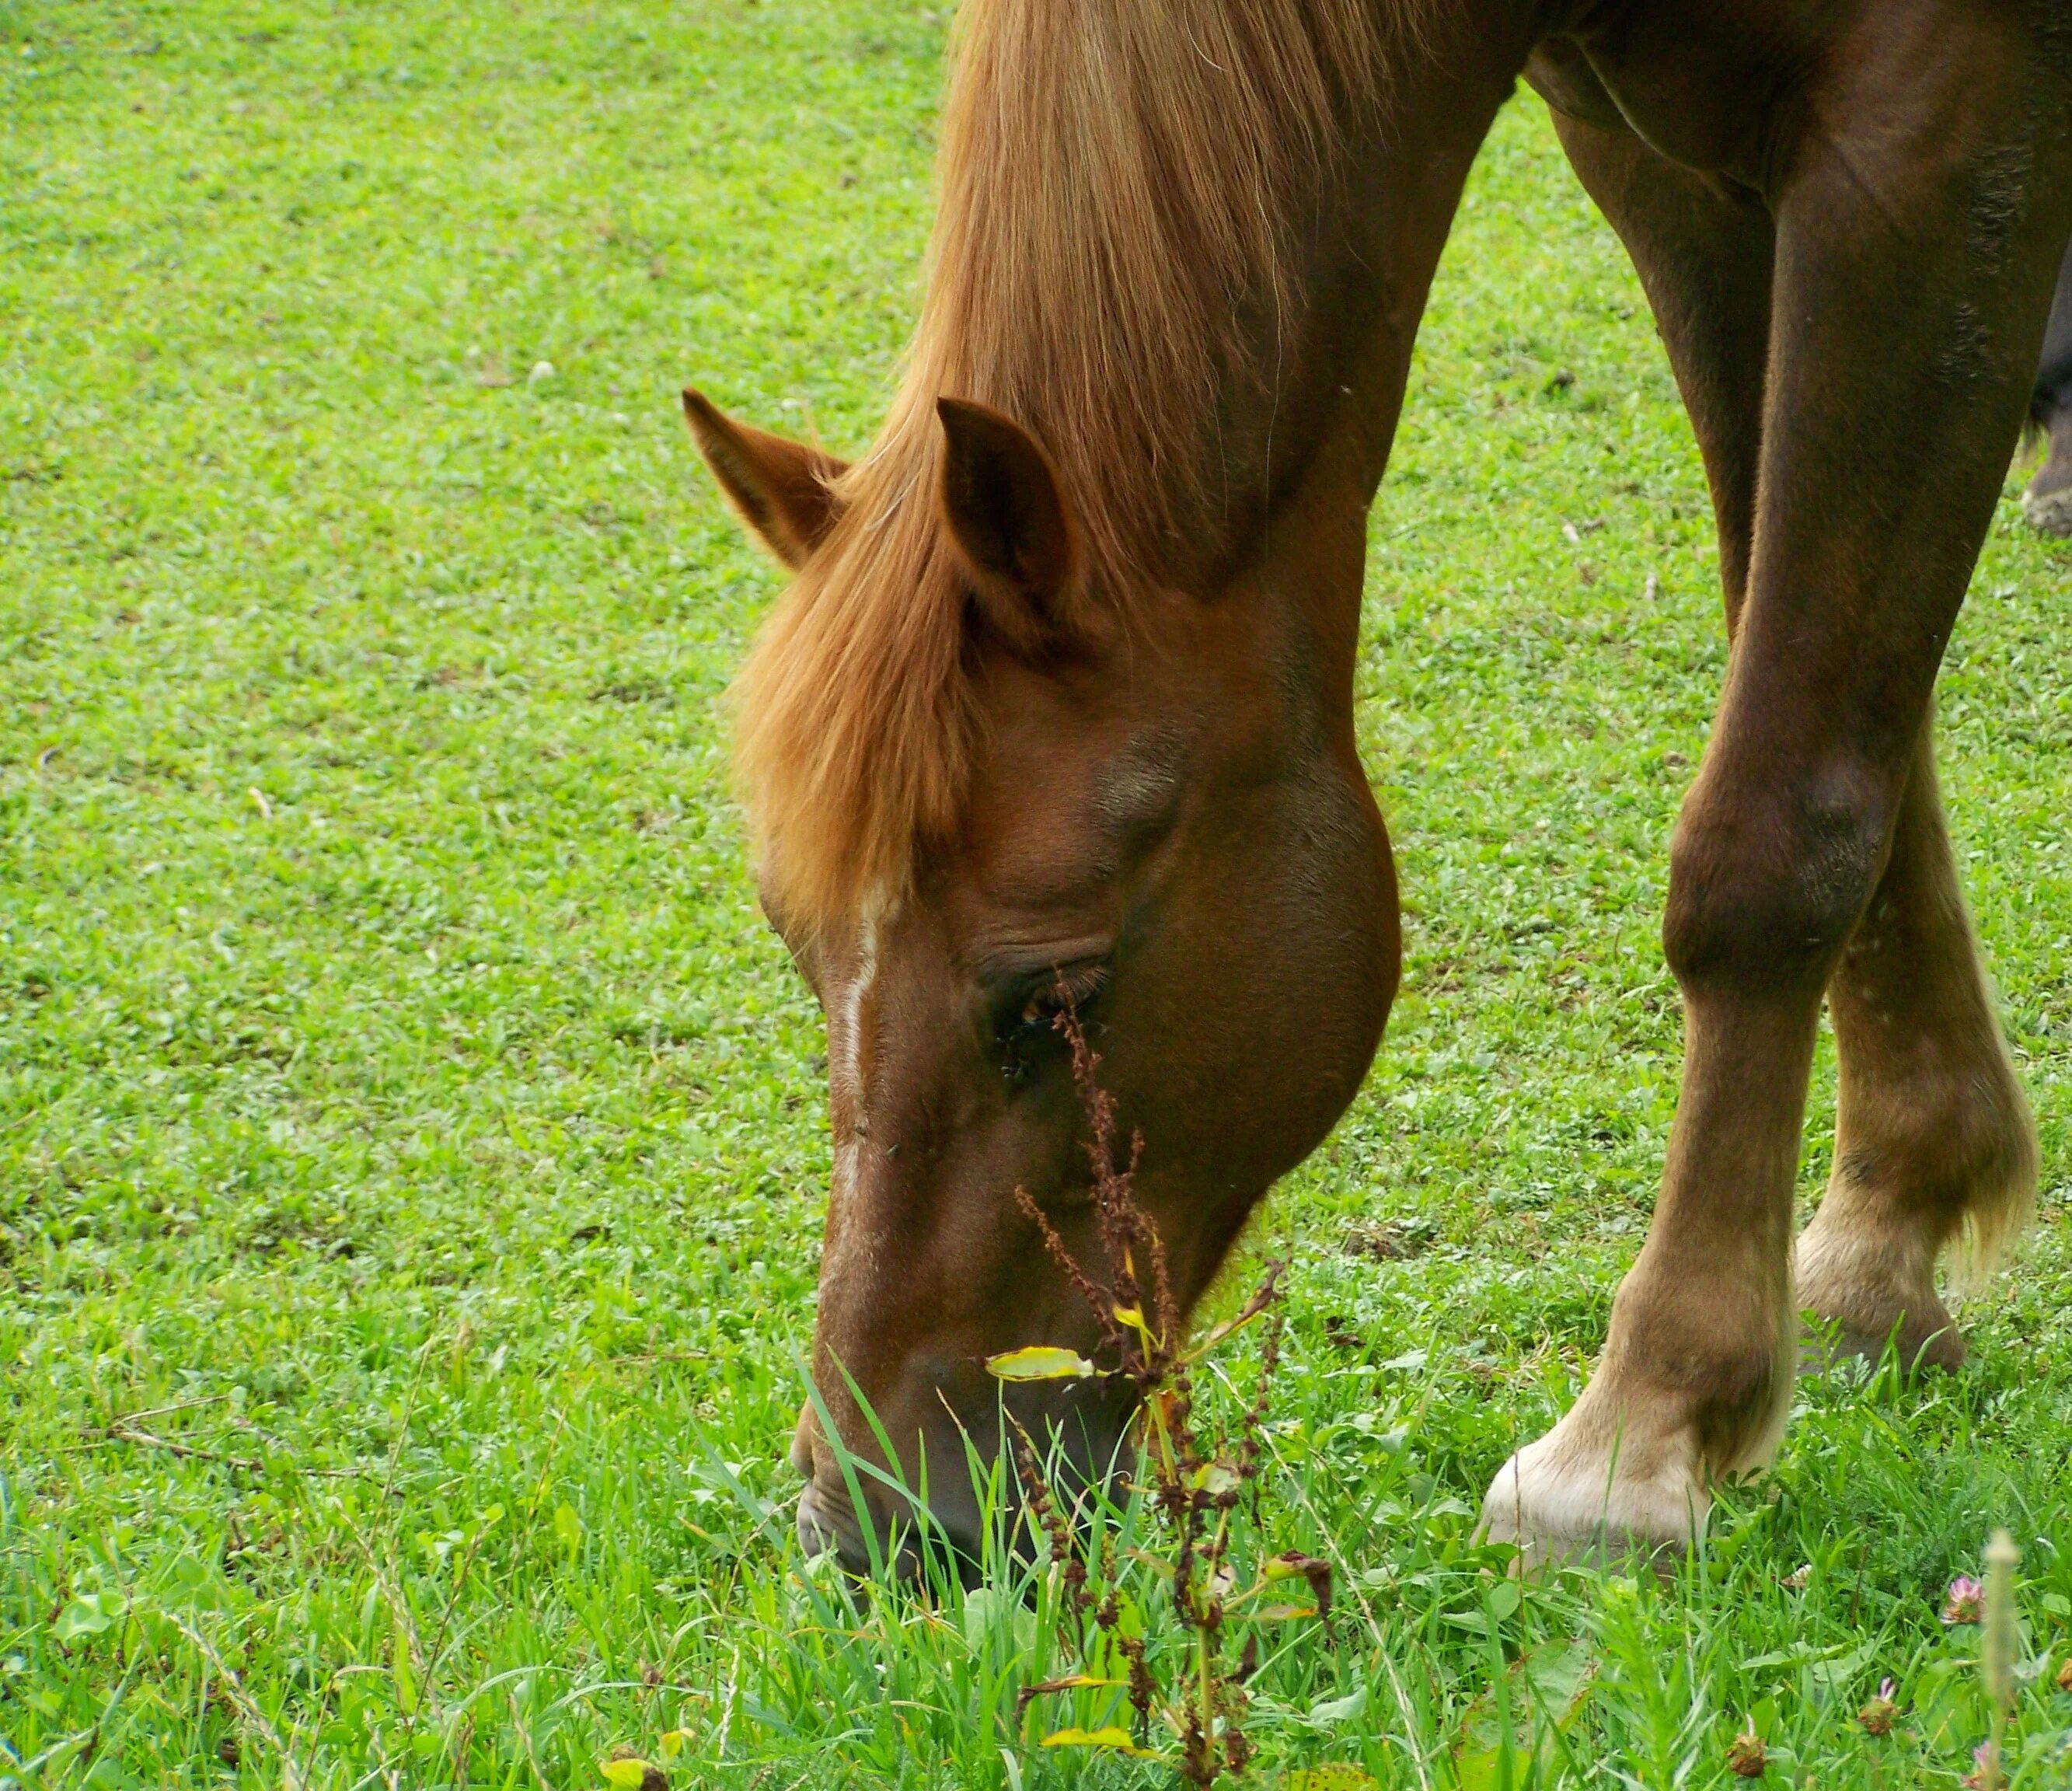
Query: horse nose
pixel 829 1521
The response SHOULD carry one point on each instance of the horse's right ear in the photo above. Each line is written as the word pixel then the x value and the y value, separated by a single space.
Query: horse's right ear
pixel 784 490
pixel 1007 514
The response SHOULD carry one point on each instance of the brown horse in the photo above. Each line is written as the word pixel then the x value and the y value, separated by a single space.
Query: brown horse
pixel 1064 685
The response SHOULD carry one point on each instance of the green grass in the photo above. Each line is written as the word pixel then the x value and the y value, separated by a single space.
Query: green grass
pixel 403 1106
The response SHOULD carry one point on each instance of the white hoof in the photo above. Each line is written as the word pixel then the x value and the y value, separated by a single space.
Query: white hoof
pixel 1586 1491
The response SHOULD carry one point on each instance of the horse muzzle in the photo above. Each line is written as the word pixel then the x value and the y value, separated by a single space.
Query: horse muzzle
pixel 1080 1443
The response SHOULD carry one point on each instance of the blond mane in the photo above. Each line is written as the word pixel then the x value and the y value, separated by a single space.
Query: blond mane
pixel 1120 184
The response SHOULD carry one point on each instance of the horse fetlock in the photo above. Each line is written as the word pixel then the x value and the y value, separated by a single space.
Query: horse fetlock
pixel 2047 504
pixel 1928 1148
pixel 2001 1196
pixel 1926 1169
pixel 2049 512
pixel 1632 1467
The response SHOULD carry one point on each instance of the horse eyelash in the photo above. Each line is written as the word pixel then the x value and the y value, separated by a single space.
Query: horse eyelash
pixel 1076 990
pixel 1048 998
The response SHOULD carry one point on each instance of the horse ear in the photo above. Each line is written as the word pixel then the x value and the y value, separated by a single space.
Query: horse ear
pixel 784 490
pixel 1007 514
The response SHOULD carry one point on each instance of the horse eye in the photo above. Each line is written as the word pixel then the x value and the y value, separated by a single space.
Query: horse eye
pixel 1028 1025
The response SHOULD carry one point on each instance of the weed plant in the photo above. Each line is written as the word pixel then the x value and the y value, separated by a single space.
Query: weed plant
pixel 1195 1479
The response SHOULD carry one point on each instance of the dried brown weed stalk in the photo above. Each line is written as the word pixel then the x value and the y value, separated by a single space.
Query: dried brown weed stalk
pixel 1196 1476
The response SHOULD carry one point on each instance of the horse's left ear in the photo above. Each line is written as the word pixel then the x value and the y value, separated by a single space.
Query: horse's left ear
pixel 784 490
pixel 1007 514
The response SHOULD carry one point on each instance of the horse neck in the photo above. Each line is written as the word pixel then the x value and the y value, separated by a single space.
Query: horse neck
pixel 1308 454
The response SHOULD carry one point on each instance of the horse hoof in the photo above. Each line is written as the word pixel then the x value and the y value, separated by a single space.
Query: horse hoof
pixel 2049 512
pixel 1574 1499
pixel 1916 1347
pixel 1868 1293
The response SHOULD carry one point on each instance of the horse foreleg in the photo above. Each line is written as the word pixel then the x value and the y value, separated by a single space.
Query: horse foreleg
pixel 1934 1137
pixel 1909 294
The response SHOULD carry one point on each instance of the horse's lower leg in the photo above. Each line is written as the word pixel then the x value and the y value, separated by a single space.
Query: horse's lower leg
pixel 1705 255
pixel 1893 392
pixel 1933 1135
pixel 2048 501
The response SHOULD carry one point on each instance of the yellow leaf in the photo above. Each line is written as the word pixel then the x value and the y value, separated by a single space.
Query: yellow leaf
pixel 1281 1613
pixel 1041 1362
pixel 671 1743
pixel 1118 1738
pixel 1134 1317
pixel 625 1775
pixel 1077 1681
pixel 1339 1776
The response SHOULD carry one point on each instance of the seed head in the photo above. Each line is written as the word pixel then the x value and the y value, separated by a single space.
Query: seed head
pixel 1997 1646
pixel 1746 1758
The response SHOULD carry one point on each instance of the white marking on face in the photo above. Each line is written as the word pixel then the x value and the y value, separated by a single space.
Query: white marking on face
pixel 850 1020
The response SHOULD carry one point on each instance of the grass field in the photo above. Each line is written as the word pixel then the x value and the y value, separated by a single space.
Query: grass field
pixel 411 1148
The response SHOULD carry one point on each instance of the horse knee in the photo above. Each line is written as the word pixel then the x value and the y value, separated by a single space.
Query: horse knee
pixel 1764 893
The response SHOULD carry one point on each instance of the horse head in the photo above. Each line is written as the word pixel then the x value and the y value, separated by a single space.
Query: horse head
pixel 1157 821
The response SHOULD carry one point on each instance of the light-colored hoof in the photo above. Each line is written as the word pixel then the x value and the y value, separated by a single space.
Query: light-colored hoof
pixel 1576 1496
pixel 2049 512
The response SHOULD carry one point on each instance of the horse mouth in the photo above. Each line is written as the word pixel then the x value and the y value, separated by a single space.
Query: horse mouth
pixel 1088 1445
pixel 828 1523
